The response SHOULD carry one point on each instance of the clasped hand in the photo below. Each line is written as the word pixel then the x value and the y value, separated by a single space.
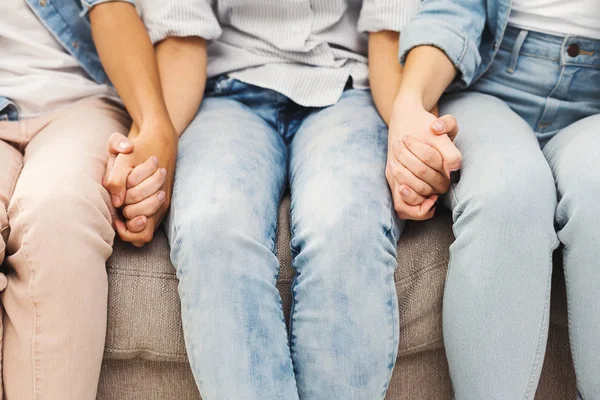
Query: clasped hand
pixel 422 160
pixel 139 177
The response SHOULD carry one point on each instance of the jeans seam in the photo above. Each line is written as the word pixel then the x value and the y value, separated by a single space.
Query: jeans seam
pixel 34 308
pixel 395 336
pixel 570 328
pixel 539 351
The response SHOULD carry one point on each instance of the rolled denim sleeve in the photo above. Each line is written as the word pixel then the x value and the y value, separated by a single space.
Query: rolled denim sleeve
pixel 453 26
pixel 179 18
pixel 386 15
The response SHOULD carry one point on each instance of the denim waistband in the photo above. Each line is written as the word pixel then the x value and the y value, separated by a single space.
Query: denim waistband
pixel 567 50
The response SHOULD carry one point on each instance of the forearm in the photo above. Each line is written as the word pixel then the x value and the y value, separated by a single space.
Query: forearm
pixel 427 74
pixel 129 60
pixel 385 72
pixel 182 68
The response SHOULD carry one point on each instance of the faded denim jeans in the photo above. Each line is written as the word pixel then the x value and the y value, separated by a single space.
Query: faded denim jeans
pixel 235 161
pixel 530 138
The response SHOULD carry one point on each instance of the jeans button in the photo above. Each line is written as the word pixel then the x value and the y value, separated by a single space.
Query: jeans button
pixel 573 50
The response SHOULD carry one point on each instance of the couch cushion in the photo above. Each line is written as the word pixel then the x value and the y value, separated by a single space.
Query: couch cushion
pixel 144 315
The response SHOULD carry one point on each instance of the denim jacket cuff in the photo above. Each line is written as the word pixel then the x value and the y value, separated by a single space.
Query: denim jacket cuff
pixel 463 52
pixel 89 4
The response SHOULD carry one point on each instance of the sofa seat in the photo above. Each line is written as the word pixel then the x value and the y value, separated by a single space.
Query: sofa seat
pixel 145 355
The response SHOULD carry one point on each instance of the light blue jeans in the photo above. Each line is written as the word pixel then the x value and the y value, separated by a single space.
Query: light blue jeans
pixel 235 161
pixel 530 138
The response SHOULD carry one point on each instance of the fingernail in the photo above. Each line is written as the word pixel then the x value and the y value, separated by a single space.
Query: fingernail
pixel 455 176
pixel 154 160
pixel 163 171
pixel 392 163
pixel 162 196
pixel 116 201
pixel 405 139
pixel 124 145
pixel 439 125
pixel 140 222
pixel 433 207
pixel 404 191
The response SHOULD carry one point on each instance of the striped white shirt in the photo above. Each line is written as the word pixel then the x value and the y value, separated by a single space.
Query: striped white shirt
pixel 304 49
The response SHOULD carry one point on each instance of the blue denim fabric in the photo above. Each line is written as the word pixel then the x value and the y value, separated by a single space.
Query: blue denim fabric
pixel 66 20
pixel 468 31
pixel 235 161
pixel 530 139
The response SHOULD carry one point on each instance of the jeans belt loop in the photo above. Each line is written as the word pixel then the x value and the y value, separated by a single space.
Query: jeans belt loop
pixel 516 50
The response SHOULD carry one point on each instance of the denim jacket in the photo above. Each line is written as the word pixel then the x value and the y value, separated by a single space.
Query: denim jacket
pixel 67 22
pixel 468 31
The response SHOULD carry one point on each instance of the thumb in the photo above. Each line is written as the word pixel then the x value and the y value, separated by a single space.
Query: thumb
pixel 118 143
pixel 445 125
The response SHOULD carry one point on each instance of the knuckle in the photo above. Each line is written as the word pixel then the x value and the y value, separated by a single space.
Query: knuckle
pixel 128 213
pixel 422 170
pixel 420 187
pixel 135 197
pixel 413 198
pixel 132 180
pixel 148 236
pixel 429 154
pixel 455 159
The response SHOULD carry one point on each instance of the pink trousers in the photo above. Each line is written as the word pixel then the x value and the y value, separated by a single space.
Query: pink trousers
pixel 56 235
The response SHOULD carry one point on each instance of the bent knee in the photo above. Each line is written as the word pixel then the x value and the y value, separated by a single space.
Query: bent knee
pixel 73 209
pixel 520 197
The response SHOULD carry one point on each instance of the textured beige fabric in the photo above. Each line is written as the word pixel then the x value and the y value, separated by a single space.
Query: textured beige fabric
pixel 145 354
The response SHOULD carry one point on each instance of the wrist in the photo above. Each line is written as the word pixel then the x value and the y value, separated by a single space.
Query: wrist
pixel 160 127
pixel 408 99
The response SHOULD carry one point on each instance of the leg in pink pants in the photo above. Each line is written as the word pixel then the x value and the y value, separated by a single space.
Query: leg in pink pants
pixel 56 221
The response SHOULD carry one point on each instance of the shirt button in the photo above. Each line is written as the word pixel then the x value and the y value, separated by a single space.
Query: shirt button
pixel 43 3
pixel 573 50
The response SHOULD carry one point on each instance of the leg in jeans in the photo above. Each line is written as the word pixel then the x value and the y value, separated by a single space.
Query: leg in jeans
pixel 574 155
pixel 230 175
pixel 496 301
pixel 345 322
pixel 60 237
pixel 11 162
